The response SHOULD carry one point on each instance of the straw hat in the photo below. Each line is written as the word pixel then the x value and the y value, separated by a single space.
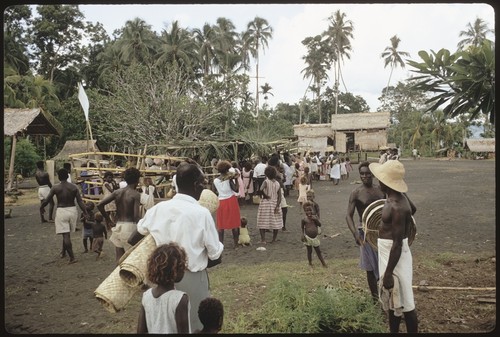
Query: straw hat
pixel 390 173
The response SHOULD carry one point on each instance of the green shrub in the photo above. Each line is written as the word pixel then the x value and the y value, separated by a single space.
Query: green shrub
pixel 26 157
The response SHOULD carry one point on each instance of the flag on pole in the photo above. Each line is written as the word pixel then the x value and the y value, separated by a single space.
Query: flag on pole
pixel 84 101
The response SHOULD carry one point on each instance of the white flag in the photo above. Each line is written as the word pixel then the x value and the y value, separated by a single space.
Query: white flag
pixel 84 101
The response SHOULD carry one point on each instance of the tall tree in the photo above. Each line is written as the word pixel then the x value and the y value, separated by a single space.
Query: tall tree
pixel 393 57
pixel 338 37
pixel 177 47
pixel 316 66
pixel 205 40
pixel 16 57
pixel 57 33
pixel 258 35
pixel 475 34
pixel 137 42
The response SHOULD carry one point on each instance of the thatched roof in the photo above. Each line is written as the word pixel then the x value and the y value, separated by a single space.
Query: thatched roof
pixel 361 121
pixel 30 122
pixel 481 144
pixel 75 146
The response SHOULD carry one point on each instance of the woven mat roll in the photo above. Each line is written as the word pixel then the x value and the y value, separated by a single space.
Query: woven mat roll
pixel 133 269
pixel 113 293
pixel 371 220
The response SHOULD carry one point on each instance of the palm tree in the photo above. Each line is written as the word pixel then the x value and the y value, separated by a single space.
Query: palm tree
pixel 177 47
pixel 266 90
pixel 475 34
pixel 392 56
pixel 205 43
pixel 316 67
pixel 226 42
pixel 257 35
pixel 338 37
pixel 137 43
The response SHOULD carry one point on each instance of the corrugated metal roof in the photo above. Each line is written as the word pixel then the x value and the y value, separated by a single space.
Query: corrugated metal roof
pixel 481 144
pixel 30 122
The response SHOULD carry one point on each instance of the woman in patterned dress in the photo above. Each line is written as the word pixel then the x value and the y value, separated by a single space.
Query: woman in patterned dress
pixel 269 214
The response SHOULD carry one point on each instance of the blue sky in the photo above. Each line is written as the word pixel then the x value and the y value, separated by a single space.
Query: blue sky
pixel 419 26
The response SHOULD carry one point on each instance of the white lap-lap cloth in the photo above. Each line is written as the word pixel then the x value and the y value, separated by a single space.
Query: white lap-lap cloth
pixel 43 191
pixel 400 298
pixel 121 233
pixel 66 218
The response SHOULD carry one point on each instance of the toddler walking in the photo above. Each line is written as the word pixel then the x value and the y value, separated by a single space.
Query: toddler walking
pixel 165 309
pixel 310 233
pixel 99 232
pixel 303 188
pixel 87 225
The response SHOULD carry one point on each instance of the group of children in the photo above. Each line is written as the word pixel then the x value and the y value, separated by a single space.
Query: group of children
pixel 94 230
pixel 165 309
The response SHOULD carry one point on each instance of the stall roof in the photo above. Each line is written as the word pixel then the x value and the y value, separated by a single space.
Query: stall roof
pixel 30 122
pixel 481 144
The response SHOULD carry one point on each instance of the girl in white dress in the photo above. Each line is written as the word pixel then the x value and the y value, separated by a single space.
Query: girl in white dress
pixel 165 309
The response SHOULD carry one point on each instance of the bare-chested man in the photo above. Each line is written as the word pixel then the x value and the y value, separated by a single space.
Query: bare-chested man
pixel 395 259
pixel 360 198
pixel 44 186
pixel 127 200
pixel 66 213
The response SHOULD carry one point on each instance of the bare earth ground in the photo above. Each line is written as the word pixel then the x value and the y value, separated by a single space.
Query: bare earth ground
pixel 455 220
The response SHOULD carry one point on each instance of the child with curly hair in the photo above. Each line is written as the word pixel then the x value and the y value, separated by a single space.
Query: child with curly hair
pixel 211 314
pixel 165 309
pixel 310 227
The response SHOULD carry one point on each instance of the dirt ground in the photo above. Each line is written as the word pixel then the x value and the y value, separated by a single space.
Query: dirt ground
pixel 455 220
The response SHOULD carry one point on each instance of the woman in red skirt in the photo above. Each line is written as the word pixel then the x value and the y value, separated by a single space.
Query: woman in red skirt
pixel 228 213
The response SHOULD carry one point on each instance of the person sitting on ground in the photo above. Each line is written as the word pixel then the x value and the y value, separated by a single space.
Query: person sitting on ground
pixel 244 238
pixel 211 314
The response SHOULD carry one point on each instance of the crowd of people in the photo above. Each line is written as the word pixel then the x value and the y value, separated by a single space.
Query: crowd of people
pixel 190 239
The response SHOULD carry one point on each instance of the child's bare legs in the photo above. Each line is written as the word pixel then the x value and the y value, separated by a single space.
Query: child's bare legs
pixel 284 210
pixel 262 235
pixel 275 235
pixel 221 235
pixel 236 233
pixel 320 256
pixel 309 255
pixel 85 245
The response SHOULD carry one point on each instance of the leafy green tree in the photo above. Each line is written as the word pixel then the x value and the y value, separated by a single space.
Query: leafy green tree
pixel 465 81
pixel 177 47
pixel 26 156
pixel 16 56
pixel 138 43
pixel 393 57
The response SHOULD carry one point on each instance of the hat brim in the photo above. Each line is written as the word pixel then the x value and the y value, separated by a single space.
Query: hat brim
pixel 396 185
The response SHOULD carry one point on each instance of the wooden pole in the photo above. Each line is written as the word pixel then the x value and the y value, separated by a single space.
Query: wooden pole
pixel 12 161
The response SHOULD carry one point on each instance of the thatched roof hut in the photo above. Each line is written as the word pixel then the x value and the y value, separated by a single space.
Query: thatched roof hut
pixel 486 145
pixel 76 146
pixel 30 122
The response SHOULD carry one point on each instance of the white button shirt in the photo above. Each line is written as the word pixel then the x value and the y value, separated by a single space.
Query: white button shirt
pixel 184 221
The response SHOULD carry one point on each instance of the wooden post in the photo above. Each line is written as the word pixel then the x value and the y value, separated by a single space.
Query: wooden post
pixel 12 161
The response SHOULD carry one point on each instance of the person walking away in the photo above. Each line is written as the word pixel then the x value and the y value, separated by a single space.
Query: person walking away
pixel 269 214
pixel 66 213
pixel 359 199
pixel 241 188
pixel 128 201
pixel 165 309
pixel 394 255
pixel 44 186
pixel 228 213
pixel 211 314
pixel 310 229
pixel 99 233
pixel 184 221
pixel 258 173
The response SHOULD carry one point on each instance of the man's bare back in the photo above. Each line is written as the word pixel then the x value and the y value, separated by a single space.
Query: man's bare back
pixel 66 193
pixel 127 204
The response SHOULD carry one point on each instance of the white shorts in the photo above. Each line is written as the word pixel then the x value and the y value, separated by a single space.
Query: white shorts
pixel 43 192
pixel 121 233
pixel 66 218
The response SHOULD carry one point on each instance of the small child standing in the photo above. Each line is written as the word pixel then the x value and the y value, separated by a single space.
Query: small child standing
pixel 303 188
pixel 310 233
pixel 211 314
pixel 244 238
pixel 310 198
pixel 348 166
pixel 343 169
pixel 99 232
pixel 87 225
pixel 165 309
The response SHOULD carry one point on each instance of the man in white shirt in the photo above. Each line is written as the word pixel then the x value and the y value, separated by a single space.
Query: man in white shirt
pixel 184 221
pixel 258 173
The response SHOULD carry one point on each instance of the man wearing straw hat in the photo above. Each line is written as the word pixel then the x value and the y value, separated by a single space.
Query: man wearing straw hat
pixel 184 221
pixel 395 259
pixel 360 198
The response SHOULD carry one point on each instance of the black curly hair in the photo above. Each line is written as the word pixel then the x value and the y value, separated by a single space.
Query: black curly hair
pixel 167 264
pixel 211 313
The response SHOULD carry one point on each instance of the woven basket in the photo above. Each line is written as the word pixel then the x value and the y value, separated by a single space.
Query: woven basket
pixel 134 268
pixel 113 293
pixel 371 220
pixel 209 200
